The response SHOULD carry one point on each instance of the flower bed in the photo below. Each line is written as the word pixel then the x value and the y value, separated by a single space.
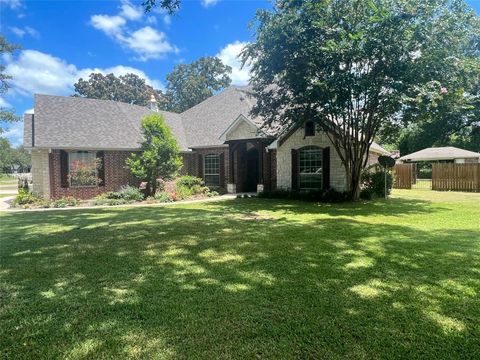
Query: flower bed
pixel 183 188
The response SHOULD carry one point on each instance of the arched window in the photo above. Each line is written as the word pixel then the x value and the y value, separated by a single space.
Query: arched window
pixel 211 169
pixel 310 160
pixel 309 128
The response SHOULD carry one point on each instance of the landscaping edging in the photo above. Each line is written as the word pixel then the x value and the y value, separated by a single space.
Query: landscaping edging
pixel 210 199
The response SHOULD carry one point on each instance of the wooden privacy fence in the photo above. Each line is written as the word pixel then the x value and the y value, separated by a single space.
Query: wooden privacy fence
pixel 402 176
pixel 456 177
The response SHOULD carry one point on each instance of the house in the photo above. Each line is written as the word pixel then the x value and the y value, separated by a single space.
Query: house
pixel 442 154
pixel 79 146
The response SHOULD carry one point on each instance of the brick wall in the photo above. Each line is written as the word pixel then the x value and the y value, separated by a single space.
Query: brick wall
pixel 192 163
pixel 116 175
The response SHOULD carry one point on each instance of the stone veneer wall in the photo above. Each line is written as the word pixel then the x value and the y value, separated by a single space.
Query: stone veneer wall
pixel 41 173
pixel 297 140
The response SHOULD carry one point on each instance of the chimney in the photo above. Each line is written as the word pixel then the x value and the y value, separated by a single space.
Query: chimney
pixel 152 104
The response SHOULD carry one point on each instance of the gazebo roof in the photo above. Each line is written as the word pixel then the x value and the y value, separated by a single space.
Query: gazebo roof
pixel 439 153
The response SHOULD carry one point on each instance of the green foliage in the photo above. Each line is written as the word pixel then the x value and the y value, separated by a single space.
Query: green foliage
pixel 159 157
pixel 170 6
pixel 373 184
pixel 128 193
pixel 11 158
pixel 65 202
pixel 329 195
pixel 353 66
pixel 189 181
pixel 25 197
pixel 6 49
pixel 163 197
pixel 190 84
pixel 128 88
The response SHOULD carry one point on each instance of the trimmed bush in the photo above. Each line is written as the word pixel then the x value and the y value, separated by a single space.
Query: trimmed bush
pixel 373 185
pixel 190 181
pixel 65 202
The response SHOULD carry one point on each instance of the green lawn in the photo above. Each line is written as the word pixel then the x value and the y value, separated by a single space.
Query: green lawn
pixel 245 278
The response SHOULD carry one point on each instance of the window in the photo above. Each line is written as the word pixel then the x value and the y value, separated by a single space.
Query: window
pixel 310 168
pixel 309 128
pixel 211 170
pixel 82 169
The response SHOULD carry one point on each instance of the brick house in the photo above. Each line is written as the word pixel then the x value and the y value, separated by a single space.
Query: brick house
pixel 79 147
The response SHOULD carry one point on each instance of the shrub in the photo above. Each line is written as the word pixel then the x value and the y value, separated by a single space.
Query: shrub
pixel 129 193
pixel 25 197
pixel 183 192
pixel 163 197
pixel 190 181
pixel 64 202
pixel 375 184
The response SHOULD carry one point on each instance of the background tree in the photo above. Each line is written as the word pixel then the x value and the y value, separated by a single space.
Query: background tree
pixel 170 6
pixel 13 158
pixel 129 88
pixel 6 157
pixel 22 159
pixel 6 115
pixel 159 157
pixel 353 65
pixel 190 84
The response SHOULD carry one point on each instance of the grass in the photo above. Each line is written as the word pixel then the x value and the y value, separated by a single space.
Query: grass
pixel 6 179
pixel 245 278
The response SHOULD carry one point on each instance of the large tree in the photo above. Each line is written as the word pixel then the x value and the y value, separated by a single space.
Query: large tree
pixel 353 65
pixel 190 84
pixel 159 157
pixel 170 6
pixel 129 88
pixel 6 49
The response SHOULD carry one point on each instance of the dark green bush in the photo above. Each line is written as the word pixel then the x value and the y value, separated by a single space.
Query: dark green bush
pixel 25 197
pixel 373 184
pixel 189 181
pixel 128 193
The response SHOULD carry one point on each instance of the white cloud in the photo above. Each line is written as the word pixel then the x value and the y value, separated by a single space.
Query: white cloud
pixel 20 32
pixel 37 72
pixel 146 42
pixel 229 56
pixel 207 3
pixel 131 12
pixel 12 4
pixel 14 133
pixel 4 103
pixel 29 111
pixel 111 25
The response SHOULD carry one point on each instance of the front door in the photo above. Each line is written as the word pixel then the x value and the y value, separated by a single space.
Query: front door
pixel 252 175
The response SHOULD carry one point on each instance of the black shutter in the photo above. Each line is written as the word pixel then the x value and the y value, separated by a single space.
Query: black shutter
pixel 222 170
pixel 101 168
pixel 200 166
pixel 63 168
pixel 326 168
pixel 295 169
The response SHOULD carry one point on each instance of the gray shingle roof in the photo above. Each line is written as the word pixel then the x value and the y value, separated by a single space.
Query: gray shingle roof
pixel 80 123
pixel 440 153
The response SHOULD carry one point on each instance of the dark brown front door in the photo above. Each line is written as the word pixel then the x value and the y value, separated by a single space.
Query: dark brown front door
pixel 252 175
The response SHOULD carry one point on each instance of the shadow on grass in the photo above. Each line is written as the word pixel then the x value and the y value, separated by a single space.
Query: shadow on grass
pixel 226 280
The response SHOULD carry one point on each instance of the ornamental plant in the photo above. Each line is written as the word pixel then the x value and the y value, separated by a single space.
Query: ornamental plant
pixel 159 157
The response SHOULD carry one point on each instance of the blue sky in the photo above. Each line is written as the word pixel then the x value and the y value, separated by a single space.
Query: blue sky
pixel 63 40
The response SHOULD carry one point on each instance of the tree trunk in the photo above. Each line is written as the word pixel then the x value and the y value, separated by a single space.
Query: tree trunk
pixel 354 177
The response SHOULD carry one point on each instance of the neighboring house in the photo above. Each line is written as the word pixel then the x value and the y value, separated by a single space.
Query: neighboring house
pixel 79 147
pixel 442 154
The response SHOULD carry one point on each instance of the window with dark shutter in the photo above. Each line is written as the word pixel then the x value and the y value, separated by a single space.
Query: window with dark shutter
pixel 64 169
pixel 294 169
pixel 326 168
pixel 101 168
pixel 309 128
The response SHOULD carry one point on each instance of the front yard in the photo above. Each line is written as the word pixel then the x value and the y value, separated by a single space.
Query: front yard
pixel 245 278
